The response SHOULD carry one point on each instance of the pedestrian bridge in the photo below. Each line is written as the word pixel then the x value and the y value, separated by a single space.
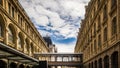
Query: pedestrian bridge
pixel 61 59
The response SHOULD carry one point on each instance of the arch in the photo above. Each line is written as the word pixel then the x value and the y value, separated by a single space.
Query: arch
pixel 27 42
pixel 114 60
pixel 21 66
pixel 2 26
pixel 20 41
pixel 27 67
pixel 106 61
pixel 92 65
pixel 13 65
pixel 11 34
pixel 31 48
pixel 95 63
pixel 100 63
pixel 3 64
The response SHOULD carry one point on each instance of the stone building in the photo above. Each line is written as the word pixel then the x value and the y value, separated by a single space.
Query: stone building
pixel 51 46
pixel 99 35
pixel 19 39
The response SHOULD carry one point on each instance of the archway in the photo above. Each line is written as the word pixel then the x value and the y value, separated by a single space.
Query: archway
pixel 100 63
pixel 114 60
pixel 106 62
pixel 13 65
pixel 3 64
pixel 27 67
pixel 95 64
pixel 21 66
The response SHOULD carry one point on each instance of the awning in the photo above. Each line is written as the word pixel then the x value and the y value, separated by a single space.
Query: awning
pixel 13 54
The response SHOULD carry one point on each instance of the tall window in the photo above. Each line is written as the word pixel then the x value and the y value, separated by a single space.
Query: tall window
pixel 1 2
pixel 99 40
pixel 98 3
pixel 9 8
pixel 105 34
pixel 12 12
pixel 114 26
pixel 105 12
pixel 95 28
pixel 106 62
pixel 10 35
pixel 95 45
pixel 0 30
pixel 113 3
pixel 99 21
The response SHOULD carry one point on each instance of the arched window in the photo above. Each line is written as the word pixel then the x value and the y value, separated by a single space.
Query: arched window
pixel 95 64
pixel 114 60
pixel 10 35
pixel 13 65
pixel 3 64
pixel 114 26
pixel 106 62
pixel 100 63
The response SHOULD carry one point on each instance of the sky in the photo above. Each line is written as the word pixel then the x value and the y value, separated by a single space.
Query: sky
pixel 60 19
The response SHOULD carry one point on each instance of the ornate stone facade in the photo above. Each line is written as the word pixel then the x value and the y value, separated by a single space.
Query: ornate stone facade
pixel 99 35
pixel 17 31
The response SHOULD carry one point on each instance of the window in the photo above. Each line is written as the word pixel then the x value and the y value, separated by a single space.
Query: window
pixel 1 2
pixel 105 34
pixel 113 3
pixel 95 28
pixel 105 12
pixel 10 36
pixel 12 12
pixel 99 21
pixel 98 3
pixel 99 40
pixel 0 31
pixel 95 45
pixel 9 8
pixel 114 26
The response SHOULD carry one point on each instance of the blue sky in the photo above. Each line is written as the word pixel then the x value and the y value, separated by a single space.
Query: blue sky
pixel 60 19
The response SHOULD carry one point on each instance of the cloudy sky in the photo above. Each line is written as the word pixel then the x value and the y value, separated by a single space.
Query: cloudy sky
pixel 60 19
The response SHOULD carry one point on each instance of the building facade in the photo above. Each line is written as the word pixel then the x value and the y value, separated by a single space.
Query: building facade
pixel 99 35
pixel 18 33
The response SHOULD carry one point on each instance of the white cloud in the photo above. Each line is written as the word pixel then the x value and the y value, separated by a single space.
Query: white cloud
pixel 63 48
pixel 62 15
